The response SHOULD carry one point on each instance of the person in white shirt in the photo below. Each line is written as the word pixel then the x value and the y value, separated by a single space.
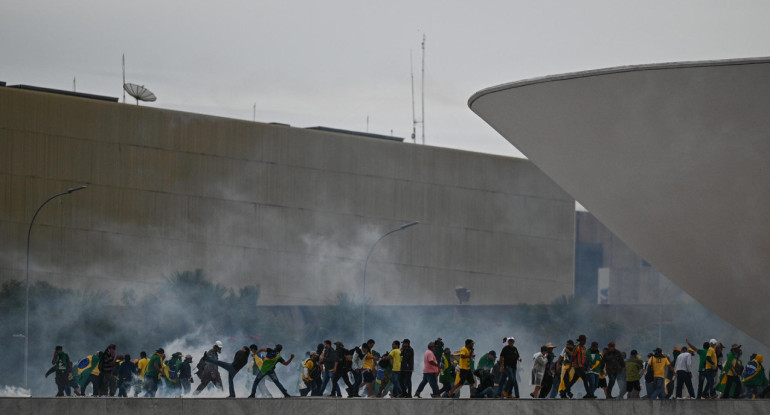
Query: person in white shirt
pixel 683 373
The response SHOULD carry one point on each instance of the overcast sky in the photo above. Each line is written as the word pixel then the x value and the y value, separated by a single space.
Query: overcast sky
pixel 334 63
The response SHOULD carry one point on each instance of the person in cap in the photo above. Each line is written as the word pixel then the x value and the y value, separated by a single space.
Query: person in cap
pixel 240 360
pixel 658 363
pixel 730 383
pixel 578 364
pixel 272 358
pixel 430 369
pixel 311 370
pixel 509 360
pixel 210 371
pixel 487 362
pixel 710 370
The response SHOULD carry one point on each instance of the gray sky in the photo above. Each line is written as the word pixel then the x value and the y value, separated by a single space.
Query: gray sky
pixel 334 63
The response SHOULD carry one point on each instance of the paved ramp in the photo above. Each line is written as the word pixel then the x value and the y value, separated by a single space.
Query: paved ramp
pixel 328 406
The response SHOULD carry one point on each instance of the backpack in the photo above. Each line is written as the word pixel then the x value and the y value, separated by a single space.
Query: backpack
pixel 315 372
pixel 649 376
pixel 173 369
pixel 201 365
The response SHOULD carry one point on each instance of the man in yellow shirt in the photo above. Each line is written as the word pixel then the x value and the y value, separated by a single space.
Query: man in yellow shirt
pixel 466 354
pixel 141 366
pixel 710 369
pixel 658 363
pixel 395 357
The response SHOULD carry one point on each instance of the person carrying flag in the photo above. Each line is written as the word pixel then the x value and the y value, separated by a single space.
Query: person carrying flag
pixel 272 358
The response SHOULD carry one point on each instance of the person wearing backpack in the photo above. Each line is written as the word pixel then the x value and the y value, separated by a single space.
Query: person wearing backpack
pixel 310 372
pixel 209 372
pixel 239 361
pixel 657 365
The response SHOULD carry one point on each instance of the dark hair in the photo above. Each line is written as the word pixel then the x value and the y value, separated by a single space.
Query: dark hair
pixel 142 354
pixel 397 343
pixel 254 347
pixel 329 342
pixel 126 357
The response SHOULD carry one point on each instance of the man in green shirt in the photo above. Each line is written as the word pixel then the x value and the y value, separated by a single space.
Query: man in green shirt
pixel 63 368
pixel 634 367
pixel 487 362
pixel 152 375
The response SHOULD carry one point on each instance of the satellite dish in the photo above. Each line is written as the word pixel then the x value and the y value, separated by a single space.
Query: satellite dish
pixel 139 92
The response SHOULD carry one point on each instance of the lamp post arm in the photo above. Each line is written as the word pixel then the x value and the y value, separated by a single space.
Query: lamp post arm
pixel 26 318
pixel 366 264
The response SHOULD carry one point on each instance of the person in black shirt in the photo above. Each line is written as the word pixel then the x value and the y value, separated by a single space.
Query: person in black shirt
pixel 341 369
pixel 329 360
pixel 185 374
pixel 509 359
pixel 407 367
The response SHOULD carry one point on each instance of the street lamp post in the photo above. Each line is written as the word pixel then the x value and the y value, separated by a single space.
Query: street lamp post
pixel 366 264
pixel 26 320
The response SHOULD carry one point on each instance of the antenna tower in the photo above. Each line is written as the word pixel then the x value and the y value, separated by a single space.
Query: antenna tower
pixel 422 96
pixel 124 77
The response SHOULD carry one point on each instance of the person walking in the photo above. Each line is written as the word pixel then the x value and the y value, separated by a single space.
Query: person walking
pixel 126 372
pixel 683 373
pixel 509 360
pixel 634 367
pixel 466 354
pixel 430 369
pixel 613 365
pixel 658 364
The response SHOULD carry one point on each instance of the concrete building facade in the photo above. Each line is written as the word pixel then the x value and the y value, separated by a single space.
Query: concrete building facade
pixel 293 210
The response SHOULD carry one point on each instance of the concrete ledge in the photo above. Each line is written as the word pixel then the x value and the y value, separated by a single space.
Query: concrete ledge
pixel 324 406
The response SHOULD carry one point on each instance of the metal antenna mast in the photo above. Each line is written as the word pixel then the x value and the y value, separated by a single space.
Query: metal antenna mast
pixel 423 89
pixel 124 77
pixel 414 116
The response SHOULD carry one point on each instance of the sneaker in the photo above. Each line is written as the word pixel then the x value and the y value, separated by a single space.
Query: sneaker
pixel 416 395
pixel 507 395
pixel 252 396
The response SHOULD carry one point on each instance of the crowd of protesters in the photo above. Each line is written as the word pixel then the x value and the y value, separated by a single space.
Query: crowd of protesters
pixel 604 372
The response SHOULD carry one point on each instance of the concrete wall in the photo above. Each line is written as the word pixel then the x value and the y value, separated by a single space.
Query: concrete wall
pixel 673 158
pixel 291 209
pixel 324 406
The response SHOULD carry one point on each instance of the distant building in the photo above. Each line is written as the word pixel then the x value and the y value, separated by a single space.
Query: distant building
pixel 607 271
pixel 294 210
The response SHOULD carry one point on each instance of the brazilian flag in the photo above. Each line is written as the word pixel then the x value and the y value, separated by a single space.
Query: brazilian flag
pixel 723 377
pixel 84 368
